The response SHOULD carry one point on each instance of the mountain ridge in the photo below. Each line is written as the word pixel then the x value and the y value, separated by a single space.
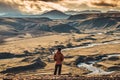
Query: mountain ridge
pixel 36 26
pixel 93 15
pixel 55 14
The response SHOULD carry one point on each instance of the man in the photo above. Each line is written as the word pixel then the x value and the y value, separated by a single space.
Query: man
pixel 58 57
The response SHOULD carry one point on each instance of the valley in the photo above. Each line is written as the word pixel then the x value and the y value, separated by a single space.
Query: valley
pixel 91 45
pixel 76 48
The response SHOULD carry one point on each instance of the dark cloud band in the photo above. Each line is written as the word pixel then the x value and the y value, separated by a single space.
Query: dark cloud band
pixel 51 0
pixel 106 4
pixel 45 0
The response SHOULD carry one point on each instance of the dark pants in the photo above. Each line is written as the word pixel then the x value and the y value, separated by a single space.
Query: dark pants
pixel 58 69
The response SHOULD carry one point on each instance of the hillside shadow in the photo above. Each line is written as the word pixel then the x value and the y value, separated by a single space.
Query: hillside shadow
pixel 36 64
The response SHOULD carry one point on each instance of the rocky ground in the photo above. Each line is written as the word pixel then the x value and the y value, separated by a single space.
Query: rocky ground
pixel 61 77
pixel 37 68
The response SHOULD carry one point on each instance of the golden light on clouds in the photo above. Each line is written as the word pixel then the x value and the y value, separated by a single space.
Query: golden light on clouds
pixel 34 6
pixel 39 6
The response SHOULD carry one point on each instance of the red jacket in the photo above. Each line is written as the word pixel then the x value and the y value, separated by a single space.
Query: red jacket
pixel 58 57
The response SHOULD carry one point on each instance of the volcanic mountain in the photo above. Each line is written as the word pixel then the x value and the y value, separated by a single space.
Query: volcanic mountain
pixel 55 14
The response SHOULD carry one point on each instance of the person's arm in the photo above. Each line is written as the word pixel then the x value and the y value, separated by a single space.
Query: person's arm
pixel 62 57
pixel 55 57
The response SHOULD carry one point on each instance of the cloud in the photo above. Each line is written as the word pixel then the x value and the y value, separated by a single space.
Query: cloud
pixel 106 3
pixel 51 0
pixel 7 8
pixel 40 6
pixel 35 6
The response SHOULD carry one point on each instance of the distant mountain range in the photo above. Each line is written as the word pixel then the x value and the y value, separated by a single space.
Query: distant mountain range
pixel 35 26
pixel 93 15
pixel 38 26
pixel 44 23
pixel 82 12
pixel 54 14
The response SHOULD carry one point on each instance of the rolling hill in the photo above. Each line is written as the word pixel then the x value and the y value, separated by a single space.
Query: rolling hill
pixel 44 25
pixel 97 23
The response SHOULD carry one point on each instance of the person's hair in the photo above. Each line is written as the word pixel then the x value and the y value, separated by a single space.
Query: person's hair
pixel 59 49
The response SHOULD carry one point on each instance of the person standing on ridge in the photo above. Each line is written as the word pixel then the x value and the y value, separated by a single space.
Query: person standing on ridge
pixel 58 57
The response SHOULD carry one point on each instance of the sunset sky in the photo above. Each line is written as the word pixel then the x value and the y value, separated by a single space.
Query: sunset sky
pixel 40 6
